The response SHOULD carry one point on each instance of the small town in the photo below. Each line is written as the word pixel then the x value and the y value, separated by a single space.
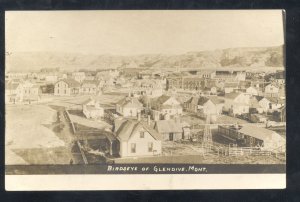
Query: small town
pixel 133 114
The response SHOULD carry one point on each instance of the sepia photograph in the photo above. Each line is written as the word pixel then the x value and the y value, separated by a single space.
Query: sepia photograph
pixel 144 91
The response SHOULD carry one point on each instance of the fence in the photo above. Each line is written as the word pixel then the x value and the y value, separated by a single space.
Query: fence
pixel 240 151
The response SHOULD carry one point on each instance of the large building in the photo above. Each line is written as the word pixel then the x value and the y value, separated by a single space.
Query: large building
pixel 186 83
pixel 66 87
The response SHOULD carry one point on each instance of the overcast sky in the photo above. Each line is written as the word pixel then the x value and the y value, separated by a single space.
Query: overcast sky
pixel 141 32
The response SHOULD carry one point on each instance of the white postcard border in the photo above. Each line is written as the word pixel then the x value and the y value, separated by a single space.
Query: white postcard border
pixel 144 182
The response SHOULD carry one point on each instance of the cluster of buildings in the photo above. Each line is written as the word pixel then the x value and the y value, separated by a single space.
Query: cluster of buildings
pixel 152 112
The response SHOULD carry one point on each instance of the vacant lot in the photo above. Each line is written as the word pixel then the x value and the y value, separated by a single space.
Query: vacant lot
pixel 29 135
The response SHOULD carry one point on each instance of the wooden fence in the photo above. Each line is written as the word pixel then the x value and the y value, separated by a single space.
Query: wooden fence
pixel 241 151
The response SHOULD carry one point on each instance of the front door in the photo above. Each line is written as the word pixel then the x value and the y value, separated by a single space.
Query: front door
pixel 171 136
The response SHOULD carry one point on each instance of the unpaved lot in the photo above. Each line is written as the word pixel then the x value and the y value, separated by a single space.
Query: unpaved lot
pixel 29 137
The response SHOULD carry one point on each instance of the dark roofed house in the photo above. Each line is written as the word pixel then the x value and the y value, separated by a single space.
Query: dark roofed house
pixel 171 130
pixel 167 106
pixel 66 87
pixel 205 106
pixel 137 138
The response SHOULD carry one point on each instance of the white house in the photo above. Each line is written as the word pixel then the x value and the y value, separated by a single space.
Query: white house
pixel 13 92
pixel 31 92
pixel 271 90
pixel 237 103
pixel 91 109
pixel 252 91
pixel 205 106
pixel 271 104
pixel 78 76
pixel 66 87
pixel 230 87
pixel 89 87
pixel 167 105
pixel 129 107
pixel 137 138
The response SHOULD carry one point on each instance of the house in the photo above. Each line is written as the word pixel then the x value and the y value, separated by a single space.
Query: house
pixel 31 92
pixel 236 103
pixel 270 104
pixel 66 87
pixel 230 87
pixel 78 76
pixel 205 106
pixel 280 78
pixel 172 130
pixel 129 107
pixel 137 138
pixel 167 105
pixel 271 90
pixel 91 109
pixel 13 92
pixel 151 88
pixel 89 87
pixel 252 91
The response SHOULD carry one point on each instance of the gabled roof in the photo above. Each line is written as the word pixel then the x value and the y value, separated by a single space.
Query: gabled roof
pixel 130 102
pixel 202 100
pixel 11 86
pixel 257 132
pixel 162 99
pixel 275 100
pixel 128 127
pixel 216 100
pixel 232 95
pixel 71 82
pixel 168 126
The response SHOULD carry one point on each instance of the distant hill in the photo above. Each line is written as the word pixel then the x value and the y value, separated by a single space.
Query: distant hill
pixel 226 58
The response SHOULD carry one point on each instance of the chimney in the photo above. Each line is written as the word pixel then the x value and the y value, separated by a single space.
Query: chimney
pixel 149 120
pixel 139 116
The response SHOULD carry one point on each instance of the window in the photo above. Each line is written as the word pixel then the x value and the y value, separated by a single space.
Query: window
pixel 150 146
pixel 142 134
pixel 133 147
